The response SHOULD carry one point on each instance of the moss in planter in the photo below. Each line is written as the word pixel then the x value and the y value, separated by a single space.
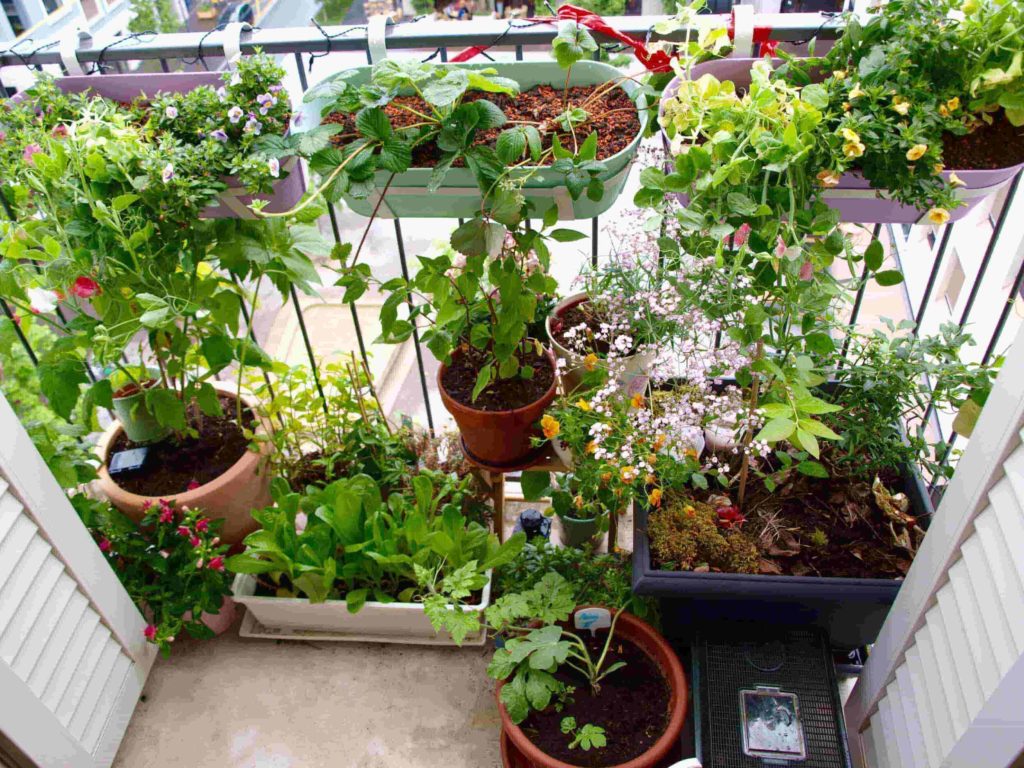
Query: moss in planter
pixel 685 535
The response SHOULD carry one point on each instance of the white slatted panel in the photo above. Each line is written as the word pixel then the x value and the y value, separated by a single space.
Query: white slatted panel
pixel 943 687
pixel 50 636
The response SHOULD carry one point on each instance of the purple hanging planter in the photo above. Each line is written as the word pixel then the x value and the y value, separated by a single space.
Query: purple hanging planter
pixel 233 202
pixel 854 198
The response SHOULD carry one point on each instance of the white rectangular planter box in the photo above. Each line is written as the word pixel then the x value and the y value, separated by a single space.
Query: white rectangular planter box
pixel 294 618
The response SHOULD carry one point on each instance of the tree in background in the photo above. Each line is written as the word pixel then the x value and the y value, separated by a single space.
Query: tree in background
pixel 154 16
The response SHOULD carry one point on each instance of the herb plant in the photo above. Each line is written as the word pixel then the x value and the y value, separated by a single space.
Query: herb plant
pixel 586 737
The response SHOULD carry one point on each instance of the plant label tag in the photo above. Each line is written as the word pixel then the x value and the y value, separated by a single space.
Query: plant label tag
pixel 771 726
pixel 592 619
pixel 126 461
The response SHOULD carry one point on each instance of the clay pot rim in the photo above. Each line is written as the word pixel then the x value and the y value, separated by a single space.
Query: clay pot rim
pixel 674 676
pixel 194 497
pixel 452 404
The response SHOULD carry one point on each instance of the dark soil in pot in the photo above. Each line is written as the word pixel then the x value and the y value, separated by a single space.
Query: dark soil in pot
pixel 313 469
pixel 503 395
pixel 989 147
pixel 582 313
pixel 172 465
pixel 806 526
pixel 613 117
pixel 632 707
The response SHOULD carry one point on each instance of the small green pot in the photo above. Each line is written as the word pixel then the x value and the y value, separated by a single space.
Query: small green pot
pixel 139 424
pixel 576 533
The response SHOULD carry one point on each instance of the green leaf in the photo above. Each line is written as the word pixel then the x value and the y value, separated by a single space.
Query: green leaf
pixel 166 407
pixel 355 599
pixel 395 155
pixel 803 439
pixel 373 123
pixel 874 255
pixel 492 83
pixel 59 380
pixel 775 430
pixel 511 145
pixel 889 277
pixel 812 469
pixel 121 202
pixel 310 142
pixel 447 90
pixel 476 237
pixel 490 115
pixel 483 379
pixel 566 235
pixel 817 428
pixel 209 402
pixel 535 484
pixel 218 351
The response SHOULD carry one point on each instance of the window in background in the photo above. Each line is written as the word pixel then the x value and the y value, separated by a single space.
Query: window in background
pixel 13 16
pixel 52 5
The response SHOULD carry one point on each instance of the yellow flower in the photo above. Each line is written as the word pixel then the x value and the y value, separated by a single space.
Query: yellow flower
pixel 943 111
pixel 689 510
pixel 846 106
pixel 955 180
pixel 839 74
pixel 637 401
pixel 650 478
pixel 691 452
pixel 953 104
pixel 583 405
pixel 591 447
pixel 578 502
pixel 853 149
pixel 550 426
pixel 606 477
pixel 938 215
pixel 938 168
pixel 856 92
pixel 654 497
pixel 900 104
pixel 828 178
pixel 590 361
pixel 916 152
pixel 628 474
pixel 850 135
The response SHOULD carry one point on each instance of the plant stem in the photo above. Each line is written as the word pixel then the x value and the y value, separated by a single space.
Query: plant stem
pixel 748 435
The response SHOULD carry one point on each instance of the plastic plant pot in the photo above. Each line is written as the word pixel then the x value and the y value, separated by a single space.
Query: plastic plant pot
pixel 233 202
pixel 460 197
pixel 577 532
pixel 140 426
pixel 855 199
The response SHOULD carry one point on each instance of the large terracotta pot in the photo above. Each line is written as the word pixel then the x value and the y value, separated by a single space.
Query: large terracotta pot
pixel 244 487
pixel 499 439
pixel 633 373
pixel 647 638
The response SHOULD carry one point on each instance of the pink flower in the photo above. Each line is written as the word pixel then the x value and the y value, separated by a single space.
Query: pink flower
pixel 150 632
pixel 741 235
pixel 806 270
pixel 780 248
pixel 147 504
pixel 195 541
pixel 202 525
pixel 31 151
pixel 184 531
pixel 3 137
pixel 166 515
pixel 192 485
pixel 105 544
pixel 59 131
pixel 216 563
pixel 85 287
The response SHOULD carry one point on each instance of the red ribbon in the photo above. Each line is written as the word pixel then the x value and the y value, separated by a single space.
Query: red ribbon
pixel 658 61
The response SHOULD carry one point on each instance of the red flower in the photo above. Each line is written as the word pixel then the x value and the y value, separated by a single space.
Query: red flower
pixel 85 287
pixel 216 563
pixel 730 517
pixel 184 531
pixel 202 525
pixel 193 484
pixel 194 541
pixel 150 632
pixel 105 544
pixel 146 505
pixel 59 131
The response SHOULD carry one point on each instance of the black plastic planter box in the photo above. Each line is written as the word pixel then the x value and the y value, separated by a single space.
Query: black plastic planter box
pixel 851 611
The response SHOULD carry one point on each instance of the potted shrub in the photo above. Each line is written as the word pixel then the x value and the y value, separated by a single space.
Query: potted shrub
pixel 172 564
pixel 220 118
pixel 349 564
pixel 111 233
pixel 903 136
pixel 563 689
pixel 438 130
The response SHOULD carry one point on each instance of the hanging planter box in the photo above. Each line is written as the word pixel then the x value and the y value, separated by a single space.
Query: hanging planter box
pixel 854 198
pixel 233 202
pixel 460 197
pixel 851 610
pixel 294 618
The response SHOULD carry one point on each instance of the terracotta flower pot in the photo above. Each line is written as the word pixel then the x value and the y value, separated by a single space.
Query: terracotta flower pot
pixel 647 639
pixel 219 622
pixel 499 439
pixel 632 377
pixel 231 496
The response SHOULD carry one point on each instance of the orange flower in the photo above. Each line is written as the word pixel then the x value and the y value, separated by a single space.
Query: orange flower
pixel 578 502
pixel 691 452
pixel 828 178
pixel 591 446
pixel 628 474
pixel 606 477
pixel 650 478
pixel 654 497
pixel 637 401
pixel 590 361
pixel 659 441
pixel 550 426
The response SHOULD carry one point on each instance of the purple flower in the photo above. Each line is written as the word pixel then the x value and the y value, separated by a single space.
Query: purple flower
pixel 31 151
pixel 222 93
pixel 235 114
pixel 276 88
pixel 219 135
pixel 266 101
pixel 171 112
pixel 253 125
pixel 275 167
pixel 168 173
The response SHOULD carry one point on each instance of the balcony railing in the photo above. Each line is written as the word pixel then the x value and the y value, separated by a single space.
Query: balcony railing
pixel 989 246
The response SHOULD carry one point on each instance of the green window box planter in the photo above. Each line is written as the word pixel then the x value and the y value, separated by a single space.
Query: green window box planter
pixel 460 196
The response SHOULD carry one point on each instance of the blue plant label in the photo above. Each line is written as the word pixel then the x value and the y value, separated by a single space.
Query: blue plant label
pixel 593 619
pixel 126 461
